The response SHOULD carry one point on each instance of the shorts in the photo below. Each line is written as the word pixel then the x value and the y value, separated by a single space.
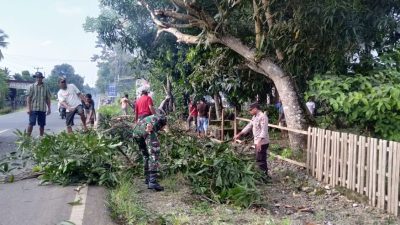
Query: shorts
pixel 202 124
pixel 70 115
pixel 38 116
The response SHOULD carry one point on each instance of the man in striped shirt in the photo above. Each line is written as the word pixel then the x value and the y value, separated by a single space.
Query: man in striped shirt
pixel 38 97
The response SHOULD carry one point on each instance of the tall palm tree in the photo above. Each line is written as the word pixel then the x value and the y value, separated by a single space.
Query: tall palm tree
pixel 3 42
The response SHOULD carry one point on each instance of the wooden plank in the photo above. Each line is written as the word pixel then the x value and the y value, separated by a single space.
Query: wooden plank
pixel 354 163
pixel 327 155
pixel 390 201
pixel 336 143
pixel 396 178
pixel 243 119
pixel 361 166
pixel 350 151
pixel 368 169
pixel 320 158
pixel 309 150
pixel 288 160
pixel 382 173
pixel 338 158
pixel 314 152
pixel 344 159
pixel 222 124
pixel 333 159
pixel 374 159
pixel 317 157
pixel 235 123
pixel 288 129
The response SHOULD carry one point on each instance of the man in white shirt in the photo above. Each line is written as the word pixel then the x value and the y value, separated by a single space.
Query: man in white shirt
pixel 71 98
pixel 311 105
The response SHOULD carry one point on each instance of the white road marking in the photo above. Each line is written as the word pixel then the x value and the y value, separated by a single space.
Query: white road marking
pixel 3 131
pixel 78 211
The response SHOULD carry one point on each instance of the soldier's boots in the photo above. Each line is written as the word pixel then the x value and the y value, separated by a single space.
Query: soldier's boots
pixel 153 184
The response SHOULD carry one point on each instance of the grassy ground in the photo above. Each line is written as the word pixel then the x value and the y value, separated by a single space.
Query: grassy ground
pixel 291 198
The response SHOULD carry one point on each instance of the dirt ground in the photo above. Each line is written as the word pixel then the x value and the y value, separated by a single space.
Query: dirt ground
pixel 292 197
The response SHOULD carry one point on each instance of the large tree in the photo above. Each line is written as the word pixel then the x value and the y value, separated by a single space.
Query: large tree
pixel 286 41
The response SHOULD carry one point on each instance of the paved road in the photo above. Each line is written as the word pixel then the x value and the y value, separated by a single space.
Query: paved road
pixel 19 120
pixel 27 202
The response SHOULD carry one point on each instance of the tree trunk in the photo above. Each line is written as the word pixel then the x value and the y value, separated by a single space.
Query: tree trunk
pixel 294 113
pixel 218 105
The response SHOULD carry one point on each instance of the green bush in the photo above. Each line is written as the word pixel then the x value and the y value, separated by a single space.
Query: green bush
pixel 364 103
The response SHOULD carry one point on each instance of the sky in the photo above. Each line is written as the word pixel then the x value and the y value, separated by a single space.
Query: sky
pixel 45 33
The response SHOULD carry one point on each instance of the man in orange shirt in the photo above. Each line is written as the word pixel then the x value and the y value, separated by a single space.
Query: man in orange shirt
pixel 144 106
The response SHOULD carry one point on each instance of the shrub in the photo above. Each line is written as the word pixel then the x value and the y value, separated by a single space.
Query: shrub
pixel 364 103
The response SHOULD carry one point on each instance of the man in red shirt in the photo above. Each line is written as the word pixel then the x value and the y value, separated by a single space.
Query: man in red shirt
pixel 192 114
pixel 144 106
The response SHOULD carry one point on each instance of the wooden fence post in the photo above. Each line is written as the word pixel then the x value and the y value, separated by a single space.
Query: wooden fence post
pixel 235 124
pixel 222 124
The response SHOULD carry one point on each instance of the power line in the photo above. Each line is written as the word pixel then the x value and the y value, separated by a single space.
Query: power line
pixel 47 59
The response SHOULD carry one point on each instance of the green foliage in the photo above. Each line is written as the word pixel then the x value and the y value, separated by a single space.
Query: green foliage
pixel 366 103
pixel 217 70
pixel 213 169
pixel 106 112
pixel 75 158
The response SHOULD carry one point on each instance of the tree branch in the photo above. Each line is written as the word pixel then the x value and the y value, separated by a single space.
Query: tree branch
pixel 270 22
pixel 183 17
pixel 197 12
pixel 257 24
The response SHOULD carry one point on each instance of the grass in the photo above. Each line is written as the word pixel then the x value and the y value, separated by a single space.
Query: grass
pixel 5 110
pixel 352 195
pixel 124 204
pixel 174 183
pixel 202 208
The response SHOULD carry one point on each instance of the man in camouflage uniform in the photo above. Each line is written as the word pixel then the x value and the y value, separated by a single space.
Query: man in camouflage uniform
pixel 145 134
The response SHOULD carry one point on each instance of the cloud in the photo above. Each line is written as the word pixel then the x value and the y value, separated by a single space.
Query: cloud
pixel 68 10
pixel 46 43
